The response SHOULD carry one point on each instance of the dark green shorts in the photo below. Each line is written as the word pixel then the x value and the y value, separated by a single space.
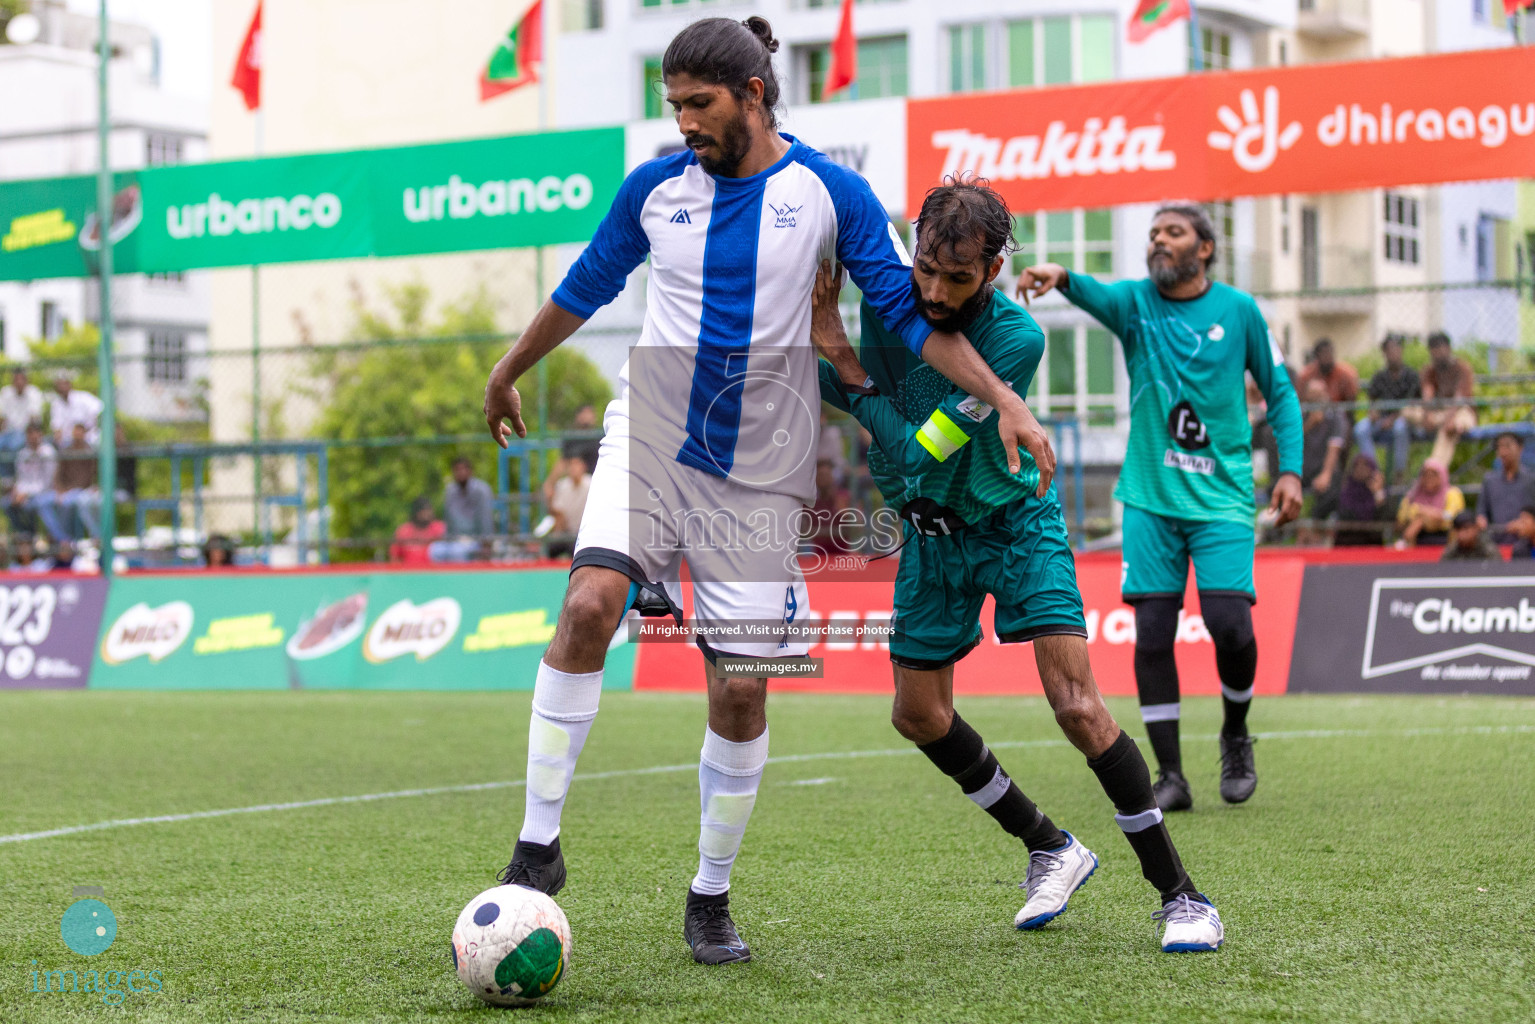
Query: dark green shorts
pixel 1158 549
pixel 1019 554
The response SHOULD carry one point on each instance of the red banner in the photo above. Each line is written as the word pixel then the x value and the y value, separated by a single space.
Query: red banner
pixel 1466 116
pixel 995 668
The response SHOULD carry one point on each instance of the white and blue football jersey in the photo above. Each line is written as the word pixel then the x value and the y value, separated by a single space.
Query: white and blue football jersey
pixel 724 373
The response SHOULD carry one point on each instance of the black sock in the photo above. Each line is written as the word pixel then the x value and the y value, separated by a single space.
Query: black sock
pixel 963 756
pixel 1237 670
pixel 1156 677
pixel 1122 772
pixel 1165 744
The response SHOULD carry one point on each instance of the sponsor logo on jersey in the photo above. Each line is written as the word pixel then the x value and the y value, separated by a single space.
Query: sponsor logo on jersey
pixel 1186 428
pixel 1216 333
pixel 1189 463
pixel 681 217
pixel 785 214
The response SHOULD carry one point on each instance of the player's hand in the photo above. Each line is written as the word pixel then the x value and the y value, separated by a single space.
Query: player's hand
pixel 826 330
pixel 502 402
pixel 1019 429
pixel 1039 280
pixel 1322 483
pixel 1286 500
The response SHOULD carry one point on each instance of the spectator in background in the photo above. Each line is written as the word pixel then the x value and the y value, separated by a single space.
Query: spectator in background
pixel 68 406
pixel 1428 509
pixel 413 540
pixel 1506 488
pixel 586 419
pixel 1445 377
pixel 565 493
pixel 830 499
pixel 32 495
pixel 1469 542
pixel 468 513
pixel 1523 531
pixel 1340 378
pixel 75 483
pixel 1362 501
pixel 1394 382
pixel 63 558
pixel 218 552
pixel 1325 433
pixel 25 557
pixel 21 402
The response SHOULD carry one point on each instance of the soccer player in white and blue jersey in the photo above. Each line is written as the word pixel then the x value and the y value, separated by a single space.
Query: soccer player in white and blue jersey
pixel 709 449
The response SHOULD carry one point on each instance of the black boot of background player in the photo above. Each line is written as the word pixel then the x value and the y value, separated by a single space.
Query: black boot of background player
pixel 535 866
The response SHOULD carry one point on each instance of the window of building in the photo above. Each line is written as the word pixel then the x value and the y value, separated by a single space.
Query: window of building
pixel 167 362
pixel 161 149
pixel 1494 248
pixel 652 91
pixel 1214 51
pixel 882 70
pixel 1223 217
pixel 2 332
pixel 50 321
pixel 1080 240
pixel 1076 376
pixel 581 15
pixel 1401 234
pixel 1030 51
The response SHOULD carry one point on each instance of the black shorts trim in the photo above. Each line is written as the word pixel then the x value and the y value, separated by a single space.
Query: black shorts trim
pixel 934 664
pixel 1133 599
pixel 713 656
pixel 1023 636
pixel 607 558
pixel 1244 595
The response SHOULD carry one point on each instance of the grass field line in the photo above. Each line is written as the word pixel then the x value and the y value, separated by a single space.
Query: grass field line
pixel 833 755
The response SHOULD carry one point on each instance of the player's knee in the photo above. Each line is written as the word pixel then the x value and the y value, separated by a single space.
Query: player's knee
pixel 921 723
pixel 1156 624
pixel 1082 715
pixel 589 611
pixel 1229 620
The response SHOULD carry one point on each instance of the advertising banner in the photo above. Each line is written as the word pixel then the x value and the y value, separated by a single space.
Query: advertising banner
pixel 48 626
pixel 863 666
pixel 1463 116
pixel 466 630
pixel 506 192
pixel 1428 628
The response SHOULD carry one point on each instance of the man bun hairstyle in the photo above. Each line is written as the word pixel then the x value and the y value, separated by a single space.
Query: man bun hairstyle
pixel 1199 219
pixel 960 212
pixel 722 51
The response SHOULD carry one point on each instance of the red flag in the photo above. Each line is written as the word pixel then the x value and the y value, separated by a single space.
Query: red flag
pixel 844 54
pixel 516 61
pixel 1511 7
pixel 1151 15
pixel 247 76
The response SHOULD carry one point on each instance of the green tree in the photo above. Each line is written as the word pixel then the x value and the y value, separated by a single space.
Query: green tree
pixel 412 375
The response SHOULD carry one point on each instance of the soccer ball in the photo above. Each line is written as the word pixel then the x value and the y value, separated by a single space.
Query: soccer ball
pixel 511 945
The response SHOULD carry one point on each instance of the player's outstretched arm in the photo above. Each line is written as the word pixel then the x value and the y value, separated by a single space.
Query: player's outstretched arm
pixel 1039 280
pixel 551 325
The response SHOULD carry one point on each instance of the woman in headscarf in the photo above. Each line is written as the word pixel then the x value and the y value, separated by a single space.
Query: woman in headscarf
pixel 1361 499
pixel 1426 512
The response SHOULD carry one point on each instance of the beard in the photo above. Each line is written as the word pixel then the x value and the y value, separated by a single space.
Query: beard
pixel 734 143
pixel 943 318
pixel 1171 271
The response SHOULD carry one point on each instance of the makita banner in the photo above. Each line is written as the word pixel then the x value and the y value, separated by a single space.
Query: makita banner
pixel 505 192
pixel 1434 628
pixel 1465 116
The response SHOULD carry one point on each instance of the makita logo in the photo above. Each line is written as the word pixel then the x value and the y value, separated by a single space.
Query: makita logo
pixel 1094 149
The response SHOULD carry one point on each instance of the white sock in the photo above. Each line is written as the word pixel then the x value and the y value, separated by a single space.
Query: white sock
pixel 728 776
pixel 564 705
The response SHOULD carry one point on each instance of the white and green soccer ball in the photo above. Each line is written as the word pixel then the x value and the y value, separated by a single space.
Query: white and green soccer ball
pixel 511 945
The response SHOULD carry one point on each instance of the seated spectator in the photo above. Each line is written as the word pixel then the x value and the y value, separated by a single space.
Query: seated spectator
pixel 1469 542
pixel 21 402
pixel 75 486
pixel 25 558
pixel 32 495
pixel 468 514
pixel 413 540
pixel 1324 434
pixel 1340 378
pixel 1445 377
pixel 565 494
pixel 1428 509
pixel 218 552
pixel 1523 531
pixel 1506 488
pixel 63 557
pixel 68 406
pixel 1394 382
pixel 586 419
pixel 1362 500
pixel 830 498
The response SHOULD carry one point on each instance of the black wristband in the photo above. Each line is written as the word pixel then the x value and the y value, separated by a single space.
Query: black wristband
pixel 867 388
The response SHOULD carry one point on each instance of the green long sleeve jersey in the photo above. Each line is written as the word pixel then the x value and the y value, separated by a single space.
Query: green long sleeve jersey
pixel 931 439
pixel 1190 449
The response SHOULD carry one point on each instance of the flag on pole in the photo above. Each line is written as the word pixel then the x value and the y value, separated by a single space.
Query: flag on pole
pixel 1151 15
pixel 516 61
pixel 247 75
pixel 1511 7
pixel 844 54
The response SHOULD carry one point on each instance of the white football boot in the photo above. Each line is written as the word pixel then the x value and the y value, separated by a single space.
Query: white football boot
pixel 1053 876
pixel 1191 924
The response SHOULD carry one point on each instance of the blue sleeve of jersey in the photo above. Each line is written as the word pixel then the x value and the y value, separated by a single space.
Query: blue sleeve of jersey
pixel 870 249
pixel 619 245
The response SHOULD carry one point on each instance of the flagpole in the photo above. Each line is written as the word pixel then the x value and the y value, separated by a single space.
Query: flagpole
pixel 538 253
pixel 1197 56
pixel 256 349
pixel 106 471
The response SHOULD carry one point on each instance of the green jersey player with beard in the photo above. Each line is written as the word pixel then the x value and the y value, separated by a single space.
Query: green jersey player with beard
pixel 1186 483
pixel 974 529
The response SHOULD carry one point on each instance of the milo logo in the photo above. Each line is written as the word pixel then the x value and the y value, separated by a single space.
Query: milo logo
pixel 219 216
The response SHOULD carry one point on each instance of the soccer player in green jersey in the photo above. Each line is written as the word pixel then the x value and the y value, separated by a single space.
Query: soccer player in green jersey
pixel 974 528
pixel 1186 482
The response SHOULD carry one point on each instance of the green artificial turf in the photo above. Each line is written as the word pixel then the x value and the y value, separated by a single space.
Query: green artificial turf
pixel 1384 870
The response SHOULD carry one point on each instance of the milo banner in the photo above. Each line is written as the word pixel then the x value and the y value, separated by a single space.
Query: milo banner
pixel 506 192
pixel 1428 628
pixel 48 625
pixel 466 630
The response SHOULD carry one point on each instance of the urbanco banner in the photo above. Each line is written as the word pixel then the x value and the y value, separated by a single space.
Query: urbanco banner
pixel 506 192
pixel 1464 116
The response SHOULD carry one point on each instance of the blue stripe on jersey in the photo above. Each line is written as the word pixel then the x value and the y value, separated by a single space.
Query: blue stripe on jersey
pixel 725 327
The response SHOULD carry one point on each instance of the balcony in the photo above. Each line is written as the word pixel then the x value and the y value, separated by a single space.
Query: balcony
pixel 1333 19
pixel 1336 281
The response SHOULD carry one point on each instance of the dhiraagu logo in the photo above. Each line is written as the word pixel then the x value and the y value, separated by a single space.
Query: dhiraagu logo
pixel 89 928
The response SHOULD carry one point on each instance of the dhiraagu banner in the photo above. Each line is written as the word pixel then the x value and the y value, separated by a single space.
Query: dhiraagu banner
pixel 506 192
pixel 467 630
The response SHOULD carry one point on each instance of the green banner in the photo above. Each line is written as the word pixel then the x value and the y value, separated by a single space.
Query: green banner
pixel 508 192
pixel 467 630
